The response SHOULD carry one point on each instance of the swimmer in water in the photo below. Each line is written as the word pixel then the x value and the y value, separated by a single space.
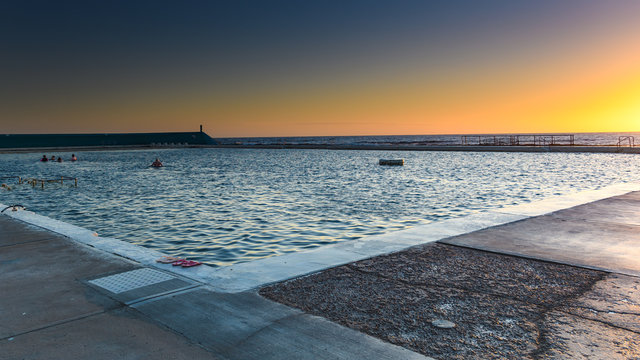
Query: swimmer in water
pixel 157 163
pixel 53 158
pixel 59 158
pixel 44 158
pixel 73 157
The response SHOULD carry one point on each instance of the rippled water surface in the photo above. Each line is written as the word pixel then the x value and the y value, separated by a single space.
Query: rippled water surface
pixel 224 206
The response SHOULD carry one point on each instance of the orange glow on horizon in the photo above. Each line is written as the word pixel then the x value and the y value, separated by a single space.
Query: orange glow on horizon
pixel 580 83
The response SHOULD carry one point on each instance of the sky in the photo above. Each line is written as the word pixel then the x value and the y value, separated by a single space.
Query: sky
pixel 320 68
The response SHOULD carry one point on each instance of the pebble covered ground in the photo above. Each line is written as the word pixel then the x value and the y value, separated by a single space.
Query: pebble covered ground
pixel 502 306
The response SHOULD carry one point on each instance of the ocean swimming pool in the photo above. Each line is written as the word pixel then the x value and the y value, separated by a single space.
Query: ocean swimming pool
pixel 224 206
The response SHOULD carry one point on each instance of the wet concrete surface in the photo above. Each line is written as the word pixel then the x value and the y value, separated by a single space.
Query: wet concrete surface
pixel 616 210
pixel 13 233
pixel 117 334
pixel 48 312
pixel 247 326
pixel 573 337
pixel 40 284
pixel 602 235
pixel 503 306
pixel 53 306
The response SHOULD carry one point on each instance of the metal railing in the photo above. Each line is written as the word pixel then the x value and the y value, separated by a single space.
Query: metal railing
pixel 628 139
pixel 33 182
pixel 519 140
pixel 11 177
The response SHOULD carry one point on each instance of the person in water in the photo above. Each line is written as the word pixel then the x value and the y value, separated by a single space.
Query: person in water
pixel 53 158
pixel 44 158
pixel 59 158
pixel 157 163
pixel 73 157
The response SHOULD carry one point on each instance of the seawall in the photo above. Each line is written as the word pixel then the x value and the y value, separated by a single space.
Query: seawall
pixel 39 141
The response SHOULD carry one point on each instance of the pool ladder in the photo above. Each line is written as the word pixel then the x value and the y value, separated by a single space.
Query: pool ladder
pixel 626 139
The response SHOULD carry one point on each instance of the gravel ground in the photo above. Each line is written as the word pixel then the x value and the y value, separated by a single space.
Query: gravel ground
pixel 502 306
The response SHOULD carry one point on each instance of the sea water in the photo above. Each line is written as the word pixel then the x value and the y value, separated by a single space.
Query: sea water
pixel 224 206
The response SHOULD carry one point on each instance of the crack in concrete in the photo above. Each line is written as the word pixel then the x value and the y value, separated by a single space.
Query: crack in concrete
pixel 57 323
pixel 607 311
pixel 598 321
pixel 26 242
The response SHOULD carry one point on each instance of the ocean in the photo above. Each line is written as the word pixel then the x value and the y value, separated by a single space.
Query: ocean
pixel 586 139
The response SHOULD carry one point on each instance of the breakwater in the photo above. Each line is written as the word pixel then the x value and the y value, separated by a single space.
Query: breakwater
pixel 22 141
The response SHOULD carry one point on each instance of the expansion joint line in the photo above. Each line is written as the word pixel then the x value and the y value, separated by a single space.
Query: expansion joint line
pixel 56 323
pixel 162 295
pixel 26 242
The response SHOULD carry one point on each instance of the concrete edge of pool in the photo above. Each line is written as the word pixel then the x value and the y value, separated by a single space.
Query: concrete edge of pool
pixel 255 274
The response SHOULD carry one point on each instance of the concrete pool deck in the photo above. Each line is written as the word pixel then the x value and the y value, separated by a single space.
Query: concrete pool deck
pixel 602 235
pixel 60 301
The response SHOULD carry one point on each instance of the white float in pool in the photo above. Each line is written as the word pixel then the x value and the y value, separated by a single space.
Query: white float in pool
pixel 391 162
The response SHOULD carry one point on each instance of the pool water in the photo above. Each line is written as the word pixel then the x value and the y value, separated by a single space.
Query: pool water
pixel 224 206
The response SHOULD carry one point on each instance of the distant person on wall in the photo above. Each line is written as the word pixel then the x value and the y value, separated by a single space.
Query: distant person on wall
pixel 44 158
pixel 73 157
pixel 157 163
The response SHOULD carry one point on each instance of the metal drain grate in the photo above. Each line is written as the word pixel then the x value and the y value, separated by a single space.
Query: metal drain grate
pixel 131 280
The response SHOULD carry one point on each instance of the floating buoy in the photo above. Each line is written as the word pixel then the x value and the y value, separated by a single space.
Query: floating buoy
pixel 391 162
